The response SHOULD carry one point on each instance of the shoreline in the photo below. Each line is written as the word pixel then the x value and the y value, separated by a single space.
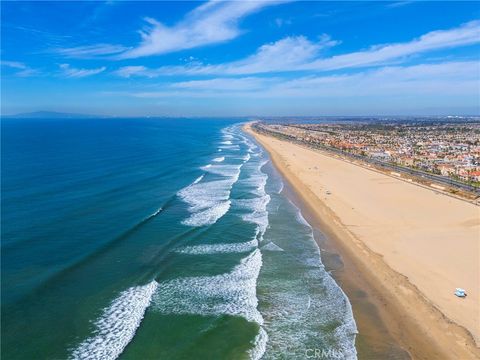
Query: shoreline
pixel 392 315
pixel 373 341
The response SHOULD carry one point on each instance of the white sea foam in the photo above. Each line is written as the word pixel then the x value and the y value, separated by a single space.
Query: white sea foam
pixel 259 346
pixel 271 246
pixel 301 219
pixel 256 182
pixel 227 132
pixel 227 142
pixel 155 213
pixel 117 325
pixel 304 307
pixel 262 163
pixel 347 331
pixel 223 170
pixel 230 147
pixel 232 293
pixel 251 146
pixel 208 216
pixel 219 159
pixel 197 180
pixel 202 194
pixel 337 299
pixel 257 212
pixel 257 207
pixel 280 189
pixel 249 143
pixel 219 248
pixel 209 201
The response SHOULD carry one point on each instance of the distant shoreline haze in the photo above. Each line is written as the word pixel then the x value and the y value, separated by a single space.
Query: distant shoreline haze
pixel 293 118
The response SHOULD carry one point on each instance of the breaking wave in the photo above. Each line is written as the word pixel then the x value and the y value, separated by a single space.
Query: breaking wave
pixel 232 293
pixel 271 246
pixel 219 248
pixel 117 325
pixel 208 200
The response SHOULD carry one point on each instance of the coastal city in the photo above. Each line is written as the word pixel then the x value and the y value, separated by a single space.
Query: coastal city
pixel 446 148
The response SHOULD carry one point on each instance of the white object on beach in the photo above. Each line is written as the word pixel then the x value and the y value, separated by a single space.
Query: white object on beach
pixel 460 292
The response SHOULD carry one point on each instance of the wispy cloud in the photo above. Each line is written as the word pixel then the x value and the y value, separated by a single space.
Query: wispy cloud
pixel 218 87
pixel 466 34
pixel 45 37
pixel 283 55
pixel 137 70
pixel 300 54
pixel 91 51
pixel 70 72
pixel 210 23
pixel 280 22
pixel 396 4
pixel 225 84
pixel 100 8
pixel 416 80
pixel 442 79
pixel 13 64
pixel 24 70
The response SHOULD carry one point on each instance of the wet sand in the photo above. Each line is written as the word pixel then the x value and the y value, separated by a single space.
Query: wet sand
pixel 395 319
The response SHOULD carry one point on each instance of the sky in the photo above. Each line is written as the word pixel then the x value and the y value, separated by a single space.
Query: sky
pixel 241 58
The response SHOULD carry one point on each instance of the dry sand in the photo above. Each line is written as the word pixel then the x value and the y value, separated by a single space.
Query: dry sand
pixel 414 246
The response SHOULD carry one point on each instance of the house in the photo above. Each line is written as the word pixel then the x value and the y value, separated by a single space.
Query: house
pixel 406 161
pixel 446 169
pixel 474 176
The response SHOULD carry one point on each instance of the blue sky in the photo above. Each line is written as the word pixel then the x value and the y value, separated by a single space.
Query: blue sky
pixel 241 58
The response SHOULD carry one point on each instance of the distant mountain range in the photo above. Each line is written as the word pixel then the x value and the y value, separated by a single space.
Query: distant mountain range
pixel 52 115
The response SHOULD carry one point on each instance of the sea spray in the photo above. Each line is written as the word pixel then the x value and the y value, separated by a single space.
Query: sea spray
pixel 219 159
pixel 219 248
pixel 232 293
pixel 208 215
pixel 208 201
pixel 117 325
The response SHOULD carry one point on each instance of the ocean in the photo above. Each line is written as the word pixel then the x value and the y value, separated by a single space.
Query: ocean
pixel 157 239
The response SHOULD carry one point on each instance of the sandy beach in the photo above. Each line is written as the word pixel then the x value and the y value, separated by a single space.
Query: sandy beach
pixel 406 246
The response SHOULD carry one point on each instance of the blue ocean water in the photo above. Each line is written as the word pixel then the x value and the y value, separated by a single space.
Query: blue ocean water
pixel 157 238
